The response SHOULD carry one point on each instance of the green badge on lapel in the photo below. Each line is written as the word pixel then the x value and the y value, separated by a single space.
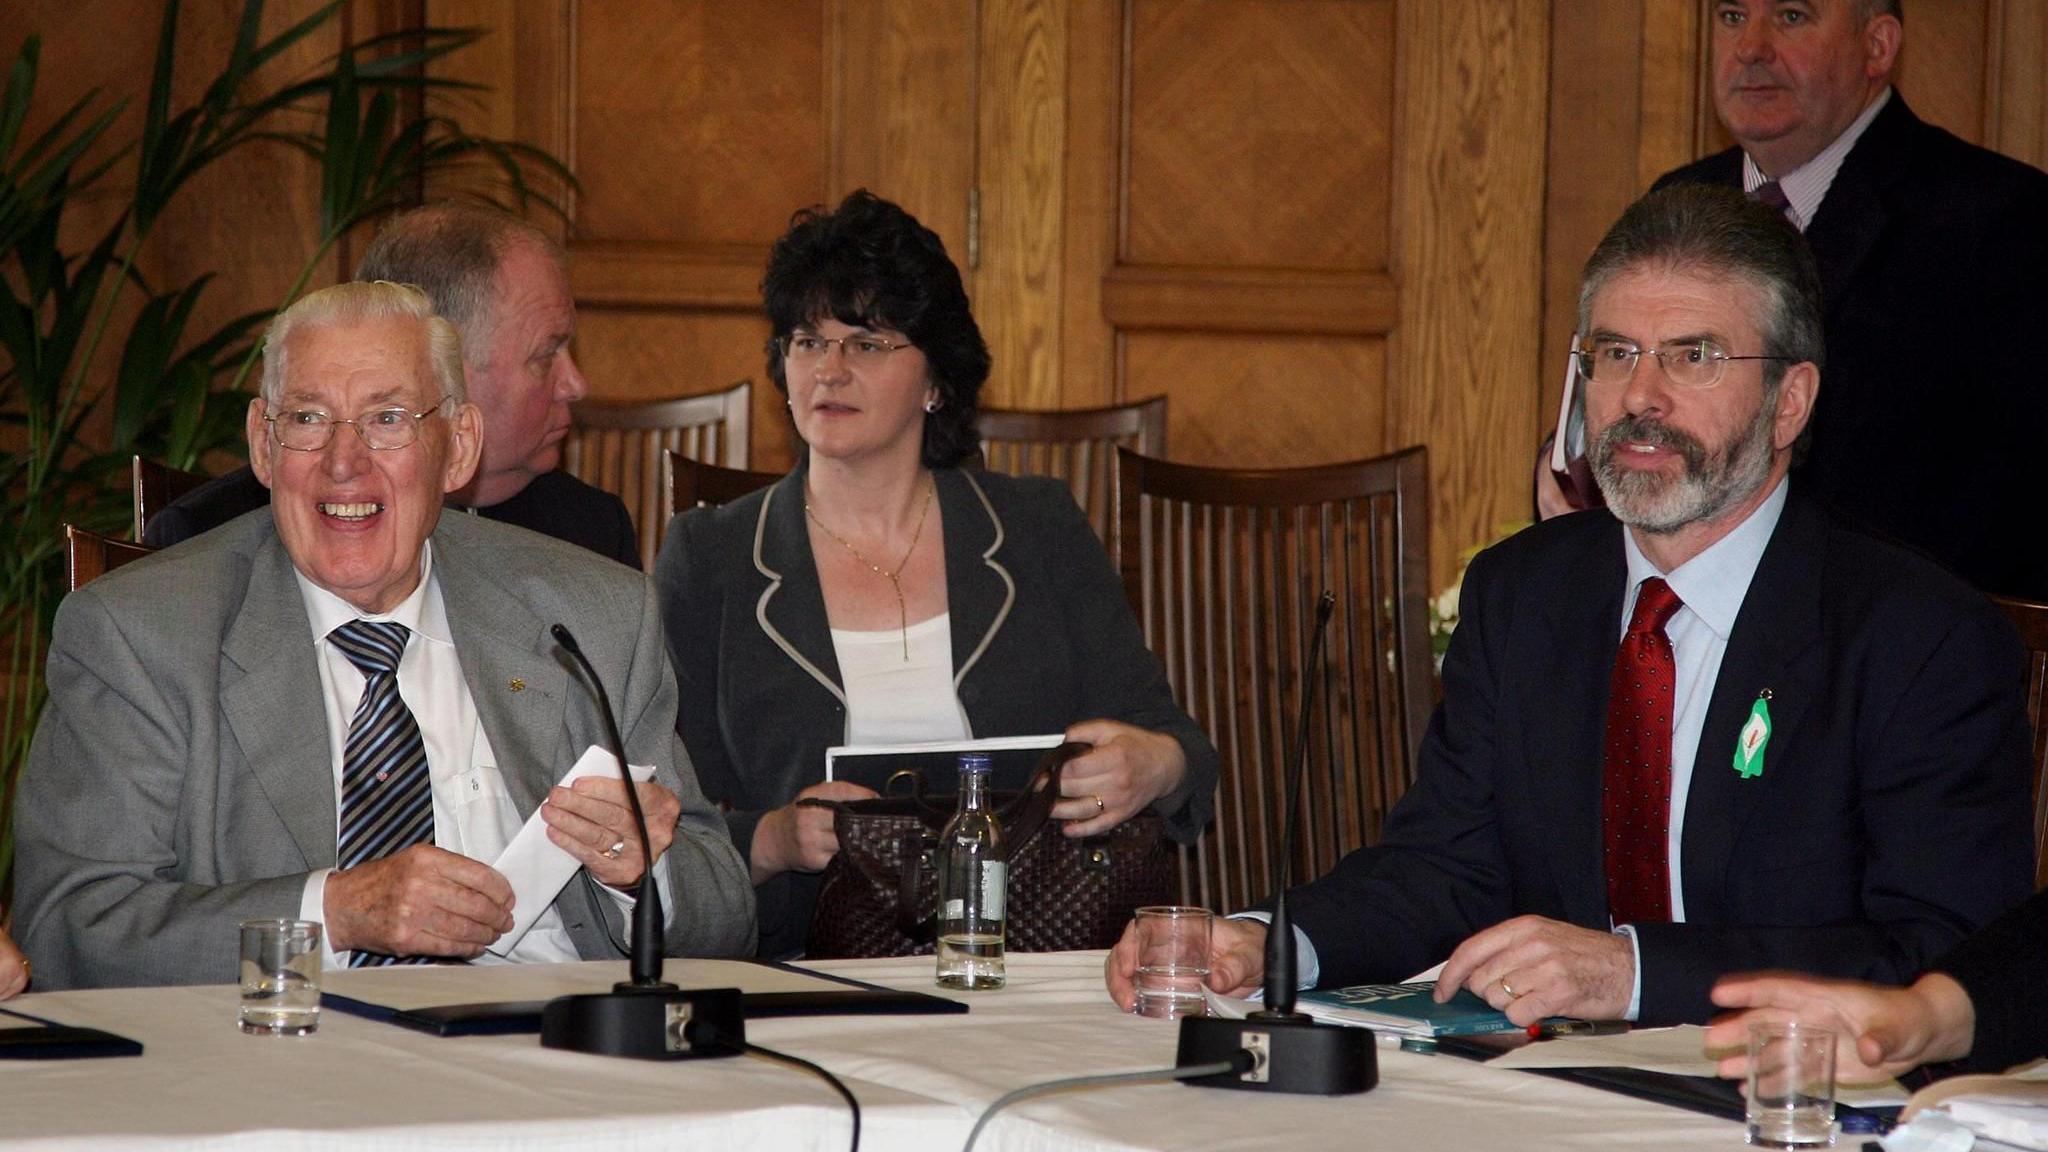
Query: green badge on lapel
pixel 1755 736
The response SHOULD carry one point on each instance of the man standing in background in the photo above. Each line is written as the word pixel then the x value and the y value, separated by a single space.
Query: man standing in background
pixel 1930 252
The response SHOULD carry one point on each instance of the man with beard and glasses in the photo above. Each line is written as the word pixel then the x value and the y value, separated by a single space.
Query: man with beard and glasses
pixel 1924 435
pixel 1706 731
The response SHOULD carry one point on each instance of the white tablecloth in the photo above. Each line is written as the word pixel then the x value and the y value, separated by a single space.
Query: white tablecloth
pixel 357 1084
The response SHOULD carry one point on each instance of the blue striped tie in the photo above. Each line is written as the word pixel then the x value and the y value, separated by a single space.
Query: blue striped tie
pixel 387 797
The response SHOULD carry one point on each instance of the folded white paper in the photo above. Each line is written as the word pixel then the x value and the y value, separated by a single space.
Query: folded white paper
pixel 537 867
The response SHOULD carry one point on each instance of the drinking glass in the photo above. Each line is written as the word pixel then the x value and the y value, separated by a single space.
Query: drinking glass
pixel 1173 961
pixel 1791 1100
pixel 280 977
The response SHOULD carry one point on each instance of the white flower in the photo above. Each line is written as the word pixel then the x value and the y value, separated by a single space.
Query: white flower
pixel 1446 604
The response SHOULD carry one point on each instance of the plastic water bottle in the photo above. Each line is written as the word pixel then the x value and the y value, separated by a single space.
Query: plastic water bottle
pixel 973 885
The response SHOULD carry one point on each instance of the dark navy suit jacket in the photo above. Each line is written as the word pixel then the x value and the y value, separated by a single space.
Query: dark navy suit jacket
pixel 1892 817
pixel 2001 969
pixel 1933 410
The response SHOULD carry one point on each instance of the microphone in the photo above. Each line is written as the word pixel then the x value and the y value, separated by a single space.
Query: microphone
pixel 643 1016
pixel 1290 1051
pixel 645 966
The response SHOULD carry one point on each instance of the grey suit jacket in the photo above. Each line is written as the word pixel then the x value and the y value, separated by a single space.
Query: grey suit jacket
pixel 180 779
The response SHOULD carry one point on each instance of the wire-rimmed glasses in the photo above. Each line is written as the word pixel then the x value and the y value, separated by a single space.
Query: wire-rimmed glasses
pixel 1698 363
pixel 383 429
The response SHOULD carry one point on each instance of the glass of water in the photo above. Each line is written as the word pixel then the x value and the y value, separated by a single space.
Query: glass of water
pixel 1173 961
pixel 1791 1085
pixel 280 977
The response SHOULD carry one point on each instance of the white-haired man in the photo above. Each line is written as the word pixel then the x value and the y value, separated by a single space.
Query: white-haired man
pixel 341 710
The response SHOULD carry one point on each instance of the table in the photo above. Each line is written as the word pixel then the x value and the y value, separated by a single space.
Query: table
pixel 357 1084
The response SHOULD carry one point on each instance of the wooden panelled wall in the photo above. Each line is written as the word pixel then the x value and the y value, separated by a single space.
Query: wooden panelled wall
pixel 1325 228
pixel 1269 210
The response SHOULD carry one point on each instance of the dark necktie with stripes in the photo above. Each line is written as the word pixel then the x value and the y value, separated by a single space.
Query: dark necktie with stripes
pixel 387 797
pixel 1772 193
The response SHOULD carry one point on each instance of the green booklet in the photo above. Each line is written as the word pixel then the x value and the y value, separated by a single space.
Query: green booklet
pixel 1406 1009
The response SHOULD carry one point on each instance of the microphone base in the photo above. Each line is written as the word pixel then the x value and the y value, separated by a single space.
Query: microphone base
pixel 647 1023
pixel 1293 1054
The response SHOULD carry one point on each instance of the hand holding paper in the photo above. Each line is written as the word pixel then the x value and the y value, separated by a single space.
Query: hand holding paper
pixel 538 866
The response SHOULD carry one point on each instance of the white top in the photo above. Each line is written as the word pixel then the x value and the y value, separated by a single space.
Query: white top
pixel 474 816
pixel 894 699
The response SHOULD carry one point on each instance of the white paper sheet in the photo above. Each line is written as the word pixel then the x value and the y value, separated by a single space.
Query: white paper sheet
pixel 537 867
pixel 985 744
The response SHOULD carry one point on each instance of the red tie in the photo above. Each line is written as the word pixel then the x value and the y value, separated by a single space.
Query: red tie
pixel 1636 798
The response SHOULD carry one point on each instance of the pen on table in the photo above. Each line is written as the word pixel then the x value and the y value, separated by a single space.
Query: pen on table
pixel 1550 1029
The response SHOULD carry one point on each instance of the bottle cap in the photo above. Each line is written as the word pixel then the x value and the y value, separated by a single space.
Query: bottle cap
pixel 975 762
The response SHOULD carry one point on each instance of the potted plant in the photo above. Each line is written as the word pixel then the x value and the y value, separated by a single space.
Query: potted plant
pixel 96 362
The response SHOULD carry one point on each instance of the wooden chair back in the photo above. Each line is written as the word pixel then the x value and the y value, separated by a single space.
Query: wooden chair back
pixel 695 484
pixel 156 485
pixel 1224 568
pixel 1078 446
pixel 89 555
pixel 2031 619
pixel 619 447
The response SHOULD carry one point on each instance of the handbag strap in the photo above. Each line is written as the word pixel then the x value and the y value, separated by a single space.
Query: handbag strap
pixel 1029 811
pixel 917 793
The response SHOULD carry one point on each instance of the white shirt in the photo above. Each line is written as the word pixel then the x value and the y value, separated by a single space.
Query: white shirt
pixel 474 816
pixel 1807 185
pixel 892 698
pixel 1712 586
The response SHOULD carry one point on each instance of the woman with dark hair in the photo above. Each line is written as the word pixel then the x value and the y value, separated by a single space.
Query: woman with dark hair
pixel 880 594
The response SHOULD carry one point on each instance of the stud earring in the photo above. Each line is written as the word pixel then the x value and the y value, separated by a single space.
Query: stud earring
pixel 931 405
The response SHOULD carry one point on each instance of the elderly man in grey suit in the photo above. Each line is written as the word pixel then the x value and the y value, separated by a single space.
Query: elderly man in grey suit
pixel 340 708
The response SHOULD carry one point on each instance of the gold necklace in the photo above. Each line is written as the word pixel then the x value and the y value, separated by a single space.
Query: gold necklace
pixel 894 578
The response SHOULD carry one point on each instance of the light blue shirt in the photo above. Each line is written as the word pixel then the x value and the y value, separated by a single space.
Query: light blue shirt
pixel 1712 586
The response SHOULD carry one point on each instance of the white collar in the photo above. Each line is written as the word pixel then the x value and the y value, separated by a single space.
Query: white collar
pixel 1807 185
pixel 1713 583
pixel 422 611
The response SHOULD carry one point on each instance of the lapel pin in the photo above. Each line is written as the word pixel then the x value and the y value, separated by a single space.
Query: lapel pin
pixel 518 685
pixel 1754 738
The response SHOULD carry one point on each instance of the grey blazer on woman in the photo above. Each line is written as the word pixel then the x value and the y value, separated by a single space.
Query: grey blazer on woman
pixel 181 778
pixel 1042 638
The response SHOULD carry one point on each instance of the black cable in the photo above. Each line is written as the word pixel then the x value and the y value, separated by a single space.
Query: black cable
pixel 837 1084
pixel 1240 1062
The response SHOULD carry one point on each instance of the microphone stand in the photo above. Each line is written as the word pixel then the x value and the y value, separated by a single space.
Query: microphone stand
pixel 643 1016
pixel 1290 1051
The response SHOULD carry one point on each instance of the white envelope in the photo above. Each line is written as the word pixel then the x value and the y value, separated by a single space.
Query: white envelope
pixel 536 866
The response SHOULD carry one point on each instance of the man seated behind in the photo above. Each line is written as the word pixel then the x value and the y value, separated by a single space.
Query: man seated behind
pixel 341 710
pixel 1807 751
pixel 504 285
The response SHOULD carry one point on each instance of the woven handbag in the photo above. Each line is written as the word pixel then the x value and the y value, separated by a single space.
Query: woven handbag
pixel 879 892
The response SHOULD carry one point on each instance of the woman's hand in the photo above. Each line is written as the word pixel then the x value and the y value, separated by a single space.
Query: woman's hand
pixel 1127 769
pixel 1879 1031
pixel 13 968
pixel 798 839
